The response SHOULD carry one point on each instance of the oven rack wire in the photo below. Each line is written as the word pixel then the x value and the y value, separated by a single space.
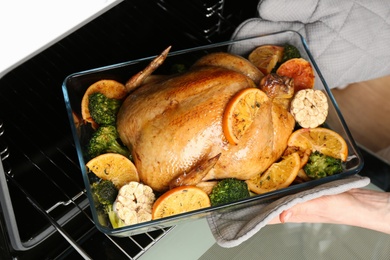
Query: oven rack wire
pixel 79 203
pixel 35 138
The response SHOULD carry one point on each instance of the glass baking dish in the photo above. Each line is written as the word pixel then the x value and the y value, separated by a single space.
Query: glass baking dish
pixel 76 84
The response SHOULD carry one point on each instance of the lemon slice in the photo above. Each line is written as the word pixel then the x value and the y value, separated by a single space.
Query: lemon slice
pixel 279 175
pixel 240 112
pixel 320 139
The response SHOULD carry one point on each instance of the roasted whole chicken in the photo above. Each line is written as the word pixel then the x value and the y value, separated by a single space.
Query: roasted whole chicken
pixel 173 125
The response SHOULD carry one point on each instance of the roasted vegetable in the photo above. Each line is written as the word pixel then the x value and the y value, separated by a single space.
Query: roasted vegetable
pixel 134 203
pixel 309 108
pixel 105 194
pixel 320 166
pixel 109 88
pixel 228 190
pixel 103 109
pixel 290 52
pixel 105 140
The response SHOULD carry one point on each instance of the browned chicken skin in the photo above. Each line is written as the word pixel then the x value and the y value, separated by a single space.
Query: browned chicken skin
pixel 279 88
pixel 175 124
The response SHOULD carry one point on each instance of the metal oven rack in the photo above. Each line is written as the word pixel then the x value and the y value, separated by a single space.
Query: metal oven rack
pixel 45 211
pixel 131 248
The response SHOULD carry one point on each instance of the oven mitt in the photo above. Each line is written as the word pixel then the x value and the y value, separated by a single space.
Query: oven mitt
pixel 349 42
pixel 349 39
pixel 232 228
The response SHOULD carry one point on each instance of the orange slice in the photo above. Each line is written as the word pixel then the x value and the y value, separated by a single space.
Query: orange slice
pixel 303 154
pixel 300 70
pixel 266 57
pixel 179 200
pixel 109 88
pixel 114 167
pixel 320 139
pixel 240 112
pixel 279 175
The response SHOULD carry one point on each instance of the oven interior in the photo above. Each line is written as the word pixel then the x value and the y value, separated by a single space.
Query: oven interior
pixel 43 199
pixel 45 210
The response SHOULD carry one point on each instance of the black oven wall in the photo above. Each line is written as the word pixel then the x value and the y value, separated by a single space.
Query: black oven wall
pixel 41 163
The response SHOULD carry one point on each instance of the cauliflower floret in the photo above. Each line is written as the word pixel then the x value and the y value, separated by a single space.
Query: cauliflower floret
pixel 134 203
pixel 309 108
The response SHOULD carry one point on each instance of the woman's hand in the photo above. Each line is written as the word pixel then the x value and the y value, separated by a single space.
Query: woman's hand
pixel 356 207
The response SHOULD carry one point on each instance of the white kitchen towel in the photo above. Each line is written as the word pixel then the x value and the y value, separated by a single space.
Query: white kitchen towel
pixel 232 228
pixel 349 39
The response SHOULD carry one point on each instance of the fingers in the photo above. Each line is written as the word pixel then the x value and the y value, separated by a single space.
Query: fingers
pixel 304 212
pixel 325 209
pixel 285 216
pixel 311 212
pixel 275 220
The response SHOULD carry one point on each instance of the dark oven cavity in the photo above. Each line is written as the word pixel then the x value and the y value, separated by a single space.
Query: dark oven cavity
pixel 45 212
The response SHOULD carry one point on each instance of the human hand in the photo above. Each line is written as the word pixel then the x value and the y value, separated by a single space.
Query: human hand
pixel 233 227
pixel 348 39
pixel 356 207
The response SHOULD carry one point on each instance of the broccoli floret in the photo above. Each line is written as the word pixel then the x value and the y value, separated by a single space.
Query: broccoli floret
pixel 103 110
pixel 320 165
pixel 105 194
pixel 105 140
pixel 228 190
pixel 290 52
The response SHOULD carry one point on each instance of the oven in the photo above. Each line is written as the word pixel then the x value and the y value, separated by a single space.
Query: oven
pixel 45 211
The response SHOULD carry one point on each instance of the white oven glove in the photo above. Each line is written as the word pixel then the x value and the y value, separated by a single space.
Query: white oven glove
pixel 233 228
pixel 349 39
